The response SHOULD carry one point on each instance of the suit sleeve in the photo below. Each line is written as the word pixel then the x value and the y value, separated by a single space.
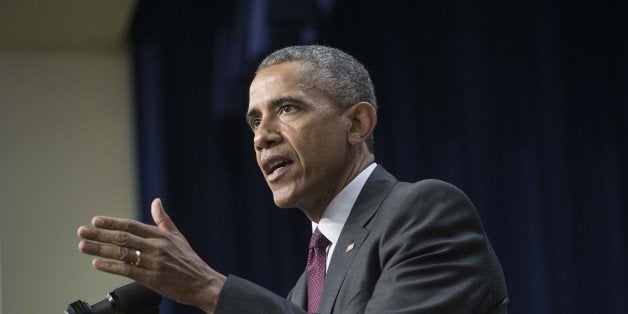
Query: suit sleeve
pixel 242 296
pixel 435 257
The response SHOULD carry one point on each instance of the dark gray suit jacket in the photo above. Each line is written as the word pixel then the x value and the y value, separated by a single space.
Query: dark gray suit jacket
pixel 417 248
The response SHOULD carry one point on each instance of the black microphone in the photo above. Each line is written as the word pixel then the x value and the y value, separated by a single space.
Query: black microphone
pixel 132 298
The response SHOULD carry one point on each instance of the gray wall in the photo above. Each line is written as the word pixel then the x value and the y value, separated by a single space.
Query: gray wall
pixel 66 154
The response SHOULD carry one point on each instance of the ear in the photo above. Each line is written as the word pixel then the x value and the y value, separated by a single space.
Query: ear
pixel 363 119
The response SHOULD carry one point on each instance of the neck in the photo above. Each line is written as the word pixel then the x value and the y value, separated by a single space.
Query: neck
pixel 354 167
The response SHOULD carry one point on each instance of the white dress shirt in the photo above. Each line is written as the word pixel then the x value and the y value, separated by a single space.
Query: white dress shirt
pixel 338 210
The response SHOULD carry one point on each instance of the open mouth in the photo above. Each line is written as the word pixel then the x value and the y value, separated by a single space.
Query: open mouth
pixel 277 165
pixel 274 165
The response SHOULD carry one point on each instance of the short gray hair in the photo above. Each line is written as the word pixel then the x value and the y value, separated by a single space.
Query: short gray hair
pixel 342 77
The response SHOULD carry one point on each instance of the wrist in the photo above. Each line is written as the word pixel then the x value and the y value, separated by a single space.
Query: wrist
pixel 211 293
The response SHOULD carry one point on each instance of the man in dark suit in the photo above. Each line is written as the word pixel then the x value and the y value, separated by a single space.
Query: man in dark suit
pixel 378 245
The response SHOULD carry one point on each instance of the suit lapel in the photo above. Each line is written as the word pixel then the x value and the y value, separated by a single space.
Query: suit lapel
pixel 354 233
pixel 298 295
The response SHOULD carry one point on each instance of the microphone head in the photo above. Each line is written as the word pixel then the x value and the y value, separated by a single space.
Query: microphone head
pixel 134 297
pixel 78 307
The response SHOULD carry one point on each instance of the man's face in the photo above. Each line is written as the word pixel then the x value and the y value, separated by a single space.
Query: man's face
pixel 300 137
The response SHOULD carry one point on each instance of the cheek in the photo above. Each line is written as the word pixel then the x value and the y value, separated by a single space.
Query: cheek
pixel 318 142
pixel 322 158
pixel 258 160
pixel 329 142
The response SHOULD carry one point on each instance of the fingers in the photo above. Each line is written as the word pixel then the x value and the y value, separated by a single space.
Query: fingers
pixel 126 225
pixel 118 268
pixel 119 238
pixel 162 220
pixel 166 263
pixel 119 253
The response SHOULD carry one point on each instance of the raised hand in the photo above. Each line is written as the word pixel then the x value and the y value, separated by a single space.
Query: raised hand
pixel 159 257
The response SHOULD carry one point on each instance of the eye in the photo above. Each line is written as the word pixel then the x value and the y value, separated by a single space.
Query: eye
pixel 287 108
pixel 254 123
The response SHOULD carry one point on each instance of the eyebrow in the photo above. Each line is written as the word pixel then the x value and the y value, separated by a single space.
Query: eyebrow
pixel 276 102
pixel 251 114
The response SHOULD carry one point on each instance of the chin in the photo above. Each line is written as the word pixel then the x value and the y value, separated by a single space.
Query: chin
pixel 283 199
pixel 282 202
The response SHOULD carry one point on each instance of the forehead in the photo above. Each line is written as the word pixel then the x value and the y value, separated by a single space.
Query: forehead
pixel 277 79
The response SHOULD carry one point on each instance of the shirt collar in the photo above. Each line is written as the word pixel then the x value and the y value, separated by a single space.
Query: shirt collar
pixel 338 210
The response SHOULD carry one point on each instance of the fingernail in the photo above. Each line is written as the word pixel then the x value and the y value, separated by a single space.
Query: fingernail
pixel 84 231
pixel 84 246
pixel 97 221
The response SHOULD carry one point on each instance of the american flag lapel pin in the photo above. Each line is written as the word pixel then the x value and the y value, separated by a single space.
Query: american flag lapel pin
pixel 350 247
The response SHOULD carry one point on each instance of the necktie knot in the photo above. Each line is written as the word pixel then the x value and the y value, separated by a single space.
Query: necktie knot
pixel 318 240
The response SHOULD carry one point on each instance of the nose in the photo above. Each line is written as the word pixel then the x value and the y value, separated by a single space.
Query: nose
pixel 266 136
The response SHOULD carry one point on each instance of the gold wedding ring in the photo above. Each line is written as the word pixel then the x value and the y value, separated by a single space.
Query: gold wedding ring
pixel 138 258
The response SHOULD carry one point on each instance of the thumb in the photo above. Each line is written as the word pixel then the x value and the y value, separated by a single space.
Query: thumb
pixel 160 217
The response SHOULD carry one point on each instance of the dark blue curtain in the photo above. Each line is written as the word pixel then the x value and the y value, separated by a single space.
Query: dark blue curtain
pixel 522 105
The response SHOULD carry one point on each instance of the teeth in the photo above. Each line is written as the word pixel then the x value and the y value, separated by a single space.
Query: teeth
pixel 278 165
